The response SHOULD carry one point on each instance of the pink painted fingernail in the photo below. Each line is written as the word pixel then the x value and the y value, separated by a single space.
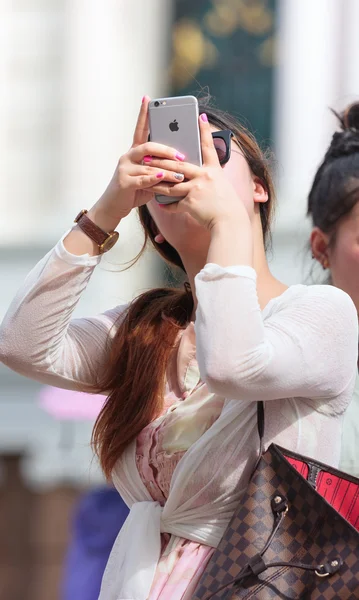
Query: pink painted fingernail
pixel 147 159
pixel 159 175
pixel 143 99
pixel 180 156
pixel 204 117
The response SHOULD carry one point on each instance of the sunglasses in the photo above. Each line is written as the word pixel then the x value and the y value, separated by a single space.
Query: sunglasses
pixel 222 143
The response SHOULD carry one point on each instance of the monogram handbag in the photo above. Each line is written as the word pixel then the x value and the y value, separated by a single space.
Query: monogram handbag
pixel 294 535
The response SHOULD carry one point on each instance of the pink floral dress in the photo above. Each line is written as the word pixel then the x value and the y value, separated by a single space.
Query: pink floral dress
pixel 160 446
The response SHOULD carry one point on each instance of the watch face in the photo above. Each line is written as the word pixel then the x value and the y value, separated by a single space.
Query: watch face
pixel 109 242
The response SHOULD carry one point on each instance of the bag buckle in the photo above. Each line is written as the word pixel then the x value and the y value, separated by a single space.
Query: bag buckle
pixel 279 504
pixel 329 568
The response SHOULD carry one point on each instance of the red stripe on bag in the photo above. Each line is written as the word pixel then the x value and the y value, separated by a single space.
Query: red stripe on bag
pixel 343 495
pixel 300 466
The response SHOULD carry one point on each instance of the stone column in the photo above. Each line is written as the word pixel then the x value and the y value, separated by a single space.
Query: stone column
pixel 115 52
pixel 306 86
pixel 350 53
pixel 30 105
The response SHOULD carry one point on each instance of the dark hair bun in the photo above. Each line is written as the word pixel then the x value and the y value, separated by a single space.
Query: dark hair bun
pixel 335 189
pixel 345 142
pixel 350 118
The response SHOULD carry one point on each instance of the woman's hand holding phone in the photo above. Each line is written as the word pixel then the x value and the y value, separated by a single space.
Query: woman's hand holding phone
pixel 210 198
pixel 134 177
pixel 207 195
pixel 149 168
pixel 130 186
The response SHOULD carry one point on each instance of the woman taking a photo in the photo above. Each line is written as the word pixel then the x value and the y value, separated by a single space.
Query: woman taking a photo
pixel 184 368
pixel 333 206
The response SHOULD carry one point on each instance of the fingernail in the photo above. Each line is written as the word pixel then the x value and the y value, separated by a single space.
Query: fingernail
pixel 180 156
pixel 204 117
pixel 159 175
pixel 143 99
pixel 147 158
pixel 179 176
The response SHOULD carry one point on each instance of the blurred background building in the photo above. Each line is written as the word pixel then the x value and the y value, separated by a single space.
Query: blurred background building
pixel 72 75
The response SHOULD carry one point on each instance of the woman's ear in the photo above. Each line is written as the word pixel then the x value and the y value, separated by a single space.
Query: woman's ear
pixel 157 235
pixel 259 192
pixel 319 242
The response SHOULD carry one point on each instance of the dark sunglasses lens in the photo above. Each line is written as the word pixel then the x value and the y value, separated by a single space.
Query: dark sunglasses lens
pixel 221 148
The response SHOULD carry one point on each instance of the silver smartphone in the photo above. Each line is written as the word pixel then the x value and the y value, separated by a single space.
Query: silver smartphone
pixel 174 122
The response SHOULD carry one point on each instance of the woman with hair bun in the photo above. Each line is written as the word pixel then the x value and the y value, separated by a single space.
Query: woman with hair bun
pixel 333 206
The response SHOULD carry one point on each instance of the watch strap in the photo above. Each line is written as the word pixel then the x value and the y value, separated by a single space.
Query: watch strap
pixel 98 235
pixel 104 240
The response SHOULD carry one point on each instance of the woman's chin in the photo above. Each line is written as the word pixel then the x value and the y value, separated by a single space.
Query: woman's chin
pixel 192 237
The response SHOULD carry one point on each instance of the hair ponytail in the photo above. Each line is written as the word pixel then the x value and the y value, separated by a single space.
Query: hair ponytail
pixel 137 367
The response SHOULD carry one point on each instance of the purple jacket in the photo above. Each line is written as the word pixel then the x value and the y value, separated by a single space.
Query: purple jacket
pixel 97 520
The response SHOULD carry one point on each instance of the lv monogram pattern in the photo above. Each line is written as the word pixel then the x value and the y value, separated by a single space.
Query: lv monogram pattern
pixel 315 530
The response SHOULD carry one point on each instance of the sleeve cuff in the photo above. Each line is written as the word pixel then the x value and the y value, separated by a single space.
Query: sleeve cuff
pixel 212 271
pixel 85 260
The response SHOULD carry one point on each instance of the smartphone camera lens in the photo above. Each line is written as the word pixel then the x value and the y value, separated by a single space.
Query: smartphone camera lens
pixel 157 103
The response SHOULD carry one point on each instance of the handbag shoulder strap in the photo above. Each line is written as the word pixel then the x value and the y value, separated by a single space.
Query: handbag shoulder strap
pixel 260 425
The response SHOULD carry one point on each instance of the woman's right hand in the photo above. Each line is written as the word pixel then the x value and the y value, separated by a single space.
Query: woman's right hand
pixel 133 179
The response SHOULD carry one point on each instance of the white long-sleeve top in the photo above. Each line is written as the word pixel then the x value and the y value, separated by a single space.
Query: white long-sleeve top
pixel 299 355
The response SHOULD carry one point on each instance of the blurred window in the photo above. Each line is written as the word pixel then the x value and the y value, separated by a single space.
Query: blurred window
pixel 227 45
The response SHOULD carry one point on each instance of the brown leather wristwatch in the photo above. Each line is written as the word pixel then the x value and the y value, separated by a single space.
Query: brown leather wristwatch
pixel 104 240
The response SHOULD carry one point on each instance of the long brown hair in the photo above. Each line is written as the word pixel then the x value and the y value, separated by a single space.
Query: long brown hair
pixel 147 333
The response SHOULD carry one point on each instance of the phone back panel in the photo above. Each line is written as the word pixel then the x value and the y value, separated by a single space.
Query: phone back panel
pixel 175 123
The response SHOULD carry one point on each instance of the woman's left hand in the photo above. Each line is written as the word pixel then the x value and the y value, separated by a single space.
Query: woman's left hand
pixel 207 196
